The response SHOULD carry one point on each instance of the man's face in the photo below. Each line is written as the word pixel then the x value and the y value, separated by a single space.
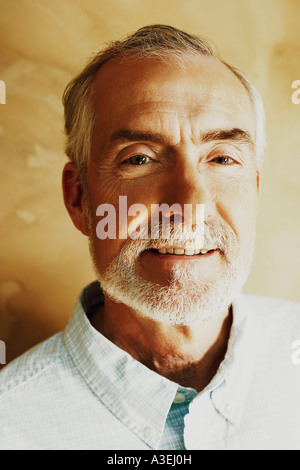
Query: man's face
pixel 165 134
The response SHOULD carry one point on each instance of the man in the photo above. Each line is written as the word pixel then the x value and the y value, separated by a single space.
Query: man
pixel 169 354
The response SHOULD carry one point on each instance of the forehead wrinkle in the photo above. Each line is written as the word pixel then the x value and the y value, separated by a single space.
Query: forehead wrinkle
pixel 136 124
pixel 189 108
pixel 182 127
pixel 186 110
pixel 191 99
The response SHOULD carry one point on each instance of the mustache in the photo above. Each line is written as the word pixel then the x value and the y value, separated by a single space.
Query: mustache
pixel 213 234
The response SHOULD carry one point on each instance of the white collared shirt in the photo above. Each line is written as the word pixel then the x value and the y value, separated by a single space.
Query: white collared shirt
pixel 77 390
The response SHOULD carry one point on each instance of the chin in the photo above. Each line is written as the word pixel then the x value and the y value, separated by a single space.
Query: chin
pixel 185 300
pixel 175 304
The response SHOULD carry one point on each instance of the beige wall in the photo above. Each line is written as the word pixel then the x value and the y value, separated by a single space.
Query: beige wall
pixel 44 261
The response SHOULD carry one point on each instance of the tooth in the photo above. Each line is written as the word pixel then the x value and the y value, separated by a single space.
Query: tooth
pixel 180 251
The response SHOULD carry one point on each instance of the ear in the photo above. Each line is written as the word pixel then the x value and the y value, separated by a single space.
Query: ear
pixel 73 197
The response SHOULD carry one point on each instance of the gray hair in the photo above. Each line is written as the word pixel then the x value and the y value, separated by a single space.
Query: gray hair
pixel 158 41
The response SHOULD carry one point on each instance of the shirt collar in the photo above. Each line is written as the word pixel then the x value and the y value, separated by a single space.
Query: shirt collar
pixel 229 387
pixel 141 398
pixel 137 396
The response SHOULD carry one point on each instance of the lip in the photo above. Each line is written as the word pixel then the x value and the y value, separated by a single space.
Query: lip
pixel 166 261
pixel 181 247
pixel 158 267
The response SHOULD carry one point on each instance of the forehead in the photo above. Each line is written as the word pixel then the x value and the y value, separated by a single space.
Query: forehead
pixel 161 94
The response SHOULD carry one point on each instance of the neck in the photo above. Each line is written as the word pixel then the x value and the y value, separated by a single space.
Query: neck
pixel 188 355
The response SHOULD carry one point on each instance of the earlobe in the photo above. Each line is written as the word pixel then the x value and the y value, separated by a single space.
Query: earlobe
pixel 73 197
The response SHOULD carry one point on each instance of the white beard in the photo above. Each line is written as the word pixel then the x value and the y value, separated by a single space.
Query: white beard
pixel 185 299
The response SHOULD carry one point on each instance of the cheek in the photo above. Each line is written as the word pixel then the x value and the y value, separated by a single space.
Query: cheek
pixel 105 251
pixel 237 191
pixel 113 223
pixel 236 202
pixel 104 239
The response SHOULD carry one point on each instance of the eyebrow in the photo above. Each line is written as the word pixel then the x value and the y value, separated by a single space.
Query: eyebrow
pixel 127 135
pixel 235 134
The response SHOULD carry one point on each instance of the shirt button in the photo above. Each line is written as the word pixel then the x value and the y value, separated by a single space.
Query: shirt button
pixel 179 398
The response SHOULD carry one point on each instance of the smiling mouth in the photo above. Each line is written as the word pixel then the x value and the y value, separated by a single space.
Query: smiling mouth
pixel 180 251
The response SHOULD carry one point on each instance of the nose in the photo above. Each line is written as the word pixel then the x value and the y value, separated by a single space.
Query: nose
pixel 187 192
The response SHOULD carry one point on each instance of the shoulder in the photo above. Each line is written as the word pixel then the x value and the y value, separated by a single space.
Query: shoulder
pixel 277 324
pixel 32 363
pixel 278 311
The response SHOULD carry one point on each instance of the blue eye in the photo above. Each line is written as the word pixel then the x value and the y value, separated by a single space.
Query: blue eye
pixel 138 159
